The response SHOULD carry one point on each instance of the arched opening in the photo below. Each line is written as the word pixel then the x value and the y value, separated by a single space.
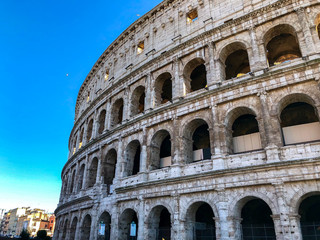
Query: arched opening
pixel 109 167
pixel 73 229
pixel 195 75
pixel 300 123
pixel 200 223
pixel 159 224
pixel 128 223
pixel 92 176
pixel 197 141
pixel 65 229
pixel 237 64
pixel 102 119
pixel 85 228
pixel 309 212
pixel 245 134
pixel 72 182
pixel 163 89
pixel 65 186
pixel 89 130
pixel 74 145
pixel 160 150
pixel 256 220
pixel 281 45
pixel 81 138
pixel 104 226
pixel 117 113
pixel 318 25
pixel 81 174
pixel 138 101
pixel 235 59
pixel 132 154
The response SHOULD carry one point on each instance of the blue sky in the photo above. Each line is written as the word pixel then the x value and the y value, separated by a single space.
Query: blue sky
pixel 40 42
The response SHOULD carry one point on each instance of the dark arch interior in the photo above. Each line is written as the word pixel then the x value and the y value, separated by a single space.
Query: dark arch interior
pixel 165 148
pixel 198 78
pixel 85 229
pixel 282 48
pixel 128 216
pixel 73 229
pixel 166 93
pixel 245 124
pixel 257 221
pixel 89 131
pixel 109 167
pixel 201 140
pixel 164 225
pixel 136 161
pixel 298 113
pixel 102 119
pixel 141 102
pixel 105 220
pixel 204 223
pixel 237 64
pixel 92 176
pixel 318 30
pixel 309 212
pixel 81 174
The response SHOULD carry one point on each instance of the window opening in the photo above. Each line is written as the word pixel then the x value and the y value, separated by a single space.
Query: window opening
pixel 88 96
pixel 102 119
pixel 198 78
pixel 201 143
pixel 140 47
pixel 204 223
pixel 89 131
pixel 166 94
pixel 106 76
pixel 309 211
pixel 141 102
pixel 237 64
pixel 136 161
pixel 92 176
pixel 192 16
pixel 164 230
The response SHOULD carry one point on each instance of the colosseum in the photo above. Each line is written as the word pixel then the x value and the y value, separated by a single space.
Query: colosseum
pixel 200 122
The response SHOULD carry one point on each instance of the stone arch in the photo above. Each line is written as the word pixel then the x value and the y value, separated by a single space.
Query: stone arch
pixel 235 58
pixel 81 177
pixel 105 222
pixel 299 119
pixel 73 229
pixel 195 75
pixel 137 101
pixel 160 150
pixel 116 112
pixel 281 44
pixel 126 218
pixel 163 88
pixel 81 139
pixel 92 173
pixel 199 220
pixel 101 122
pixel 196 140
pixel 65 185
pixel 90 130
pixel 85 229
pixel 75 144
pixel 109 167
pixel 242 141
pixel 317 23
pixel 65 229
pixel 73 178
pixel 132 158
pixel 159 223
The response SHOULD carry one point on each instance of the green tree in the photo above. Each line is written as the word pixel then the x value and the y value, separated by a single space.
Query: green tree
pixel 41 234
pixel 25 235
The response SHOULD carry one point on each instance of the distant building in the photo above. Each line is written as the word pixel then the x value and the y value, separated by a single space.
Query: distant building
pixel 10 221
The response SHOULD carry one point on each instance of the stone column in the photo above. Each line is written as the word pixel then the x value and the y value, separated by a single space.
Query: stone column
pixel 222 223
pixel 309 44
pixel 259 58
pixel 295 226
pixel 177 81
pixel 94 225
pixel 141 214
pixel 177 227
pixel 143 155
pixel 78 227
pixel 95 125
pixel 235 228
pixel 114 223
pixel 85 174
pixel 107 121
pixel 148 99
pixel 176 143
pixel 210 67
pixel 217 152
pixel 99 168
pixel 126 105
pixel 119 166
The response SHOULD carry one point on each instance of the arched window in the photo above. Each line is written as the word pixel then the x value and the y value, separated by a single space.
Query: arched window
pixel 197 141
pixel 160 150
pixel 309 212
pixel 127 219
pixel 81 138
pixel 92 176
pixel 81 175
pixel 74 145
pixel 159 223
pixel 195 75
pixel 318 25
pixel 132 154
pixel 200 222
pixel 245 134
pixel 138 101
pixel 257 221
pixel 85 228
pixel 117 113
pixel 281 45
pixel 236 60
pixel 65 229
pixel 163 89
pixel 72 181
pixel 105 223
pixel 73 229
pixel 300 123
pixel 102 118
pixel 109 167
pixel 89 130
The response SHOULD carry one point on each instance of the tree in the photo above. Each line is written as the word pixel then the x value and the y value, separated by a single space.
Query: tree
pixel 41 234
pixel 25 235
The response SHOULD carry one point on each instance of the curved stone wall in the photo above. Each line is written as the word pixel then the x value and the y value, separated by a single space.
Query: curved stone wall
pixel 199 114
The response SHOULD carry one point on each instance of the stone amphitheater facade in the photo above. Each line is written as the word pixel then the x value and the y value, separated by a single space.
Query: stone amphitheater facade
pixel 200 121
